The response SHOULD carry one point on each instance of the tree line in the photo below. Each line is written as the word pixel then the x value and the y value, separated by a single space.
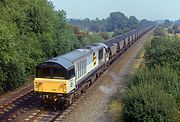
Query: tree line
pixel 173 27
pixel 116 22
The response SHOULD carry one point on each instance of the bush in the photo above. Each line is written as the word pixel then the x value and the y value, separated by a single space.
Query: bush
pixel 162 52
pixel 105 35
pixel 154 92
pixel 165 77
pixel 15 75
pixel 160 31
pixel 148 102
pixel 30 32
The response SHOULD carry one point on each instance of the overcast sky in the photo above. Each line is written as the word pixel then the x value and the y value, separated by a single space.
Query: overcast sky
pixel 142 9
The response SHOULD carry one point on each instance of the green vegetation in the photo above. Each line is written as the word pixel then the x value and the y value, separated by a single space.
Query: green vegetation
pixel 176 27
pixel 153 92
pixel 160 31
pixel 148 102
pixel 116 22
pixel 164 51
pixel 167 23
pixel 86 38
pixel 30 32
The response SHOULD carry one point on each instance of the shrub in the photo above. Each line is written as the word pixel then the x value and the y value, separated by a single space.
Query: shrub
pixel 164 51
pixel 148 102
pixel 160 31
pixel 30 32
pixel 165 77
pixel 153 93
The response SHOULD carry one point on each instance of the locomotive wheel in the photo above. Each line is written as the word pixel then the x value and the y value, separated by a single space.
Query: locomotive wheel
pixel 77 94
pixel 72 98
pixel 69 101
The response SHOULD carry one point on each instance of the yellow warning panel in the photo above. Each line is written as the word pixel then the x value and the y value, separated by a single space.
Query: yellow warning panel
pixel 94 58
pixel 51 85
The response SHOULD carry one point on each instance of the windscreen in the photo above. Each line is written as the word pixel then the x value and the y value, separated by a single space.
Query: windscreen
pixel 51 72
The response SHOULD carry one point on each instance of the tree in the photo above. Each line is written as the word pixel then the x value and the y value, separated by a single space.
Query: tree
pixel 30 31
pixel 145 23
pixel 116 20
pixel 133 22
pixel 167 23
pixel 177 22
pixel 159 31
pixel 176 29
pixel 170 30
pixel 94 27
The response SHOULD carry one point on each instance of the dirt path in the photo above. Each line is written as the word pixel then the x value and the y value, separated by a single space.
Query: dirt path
pixel 95 106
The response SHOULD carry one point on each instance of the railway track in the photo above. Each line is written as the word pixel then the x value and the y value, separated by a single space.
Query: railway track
pixel 13 103
pixel 8 98
pixel 50 115
pixel 10 110
pixel 44 116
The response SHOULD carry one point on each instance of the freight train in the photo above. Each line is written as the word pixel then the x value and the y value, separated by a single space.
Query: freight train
pixel 62 79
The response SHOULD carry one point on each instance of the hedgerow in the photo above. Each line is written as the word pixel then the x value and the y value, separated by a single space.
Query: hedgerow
pixel 148 102
pixel 153 92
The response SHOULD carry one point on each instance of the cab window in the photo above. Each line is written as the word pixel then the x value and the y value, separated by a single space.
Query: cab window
pixel 71 73
pixel 43 73
pixel 59 73
pixel 52 72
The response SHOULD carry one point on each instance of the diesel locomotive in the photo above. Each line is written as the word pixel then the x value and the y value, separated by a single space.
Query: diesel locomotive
pixel 62 79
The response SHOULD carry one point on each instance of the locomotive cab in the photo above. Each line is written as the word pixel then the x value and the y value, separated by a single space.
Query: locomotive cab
pixel 52 77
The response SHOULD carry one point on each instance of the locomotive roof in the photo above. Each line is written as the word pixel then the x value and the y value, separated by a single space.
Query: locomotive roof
pixel 68 59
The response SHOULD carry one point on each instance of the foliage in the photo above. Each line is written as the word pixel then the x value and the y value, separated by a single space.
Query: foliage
pixel 170 30
pixel 33 31
pixel 120 31
pixel 145 23
pixel 133 22
pixel 160 31
pixel 86 38
pixel 167 23
pixel 165 77
pixel 148 102
pixel 153 93
pixel 177 22
pixel 116 21
pixel 176 29
pixel 164 51
pixel 90 25
pixel 30 32
pixel 93 38
pixel 105 35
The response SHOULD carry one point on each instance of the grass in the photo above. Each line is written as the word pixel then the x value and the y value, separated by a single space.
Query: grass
pixel 139 59
pixel 115 108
